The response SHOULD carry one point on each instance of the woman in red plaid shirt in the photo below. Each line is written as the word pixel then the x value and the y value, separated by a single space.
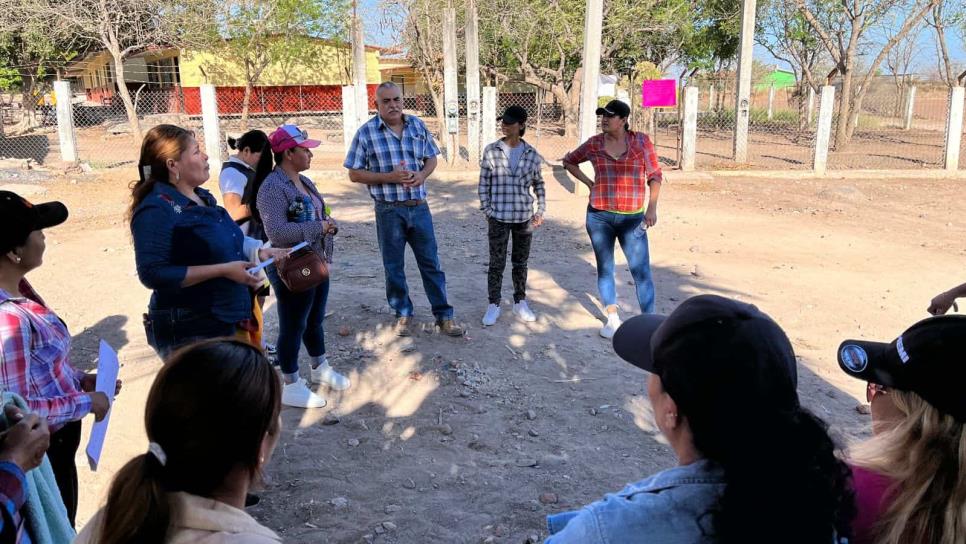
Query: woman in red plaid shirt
pixel 621 207
pixel 35 342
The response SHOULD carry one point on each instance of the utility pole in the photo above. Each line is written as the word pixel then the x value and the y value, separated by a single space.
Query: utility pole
pixel 743 96
pixel 451 102
pixel 594 22
pixel 472 84
pixel 359 78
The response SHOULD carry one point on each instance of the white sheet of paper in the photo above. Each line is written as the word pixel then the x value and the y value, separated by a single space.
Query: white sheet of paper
pixel 107 369
pixel 264 264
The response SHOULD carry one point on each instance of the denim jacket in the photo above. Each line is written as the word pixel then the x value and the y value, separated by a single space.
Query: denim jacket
pixel 669 507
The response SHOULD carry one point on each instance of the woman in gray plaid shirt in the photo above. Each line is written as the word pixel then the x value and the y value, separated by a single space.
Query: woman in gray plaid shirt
pixel 509 179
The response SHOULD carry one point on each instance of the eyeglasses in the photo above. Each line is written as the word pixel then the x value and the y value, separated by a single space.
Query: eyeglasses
pixel 873 389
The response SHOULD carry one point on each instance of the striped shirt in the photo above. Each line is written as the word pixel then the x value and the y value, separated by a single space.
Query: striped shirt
pixel 376 148
pixel 34 352
pixel 619 184
pixel 505 192
pixel 290 217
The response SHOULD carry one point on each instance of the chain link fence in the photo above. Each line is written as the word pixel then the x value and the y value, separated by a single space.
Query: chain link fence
pixel 28 130
pixel 885 135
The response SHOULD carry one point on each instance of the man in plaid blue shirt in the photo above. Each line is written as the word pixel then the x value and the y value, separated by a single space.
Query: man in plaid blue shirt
pixel 393 154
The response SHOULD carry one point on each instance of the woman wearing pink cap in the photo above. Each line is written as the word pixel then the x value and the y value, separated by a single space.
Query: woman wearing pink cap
pixel 293 212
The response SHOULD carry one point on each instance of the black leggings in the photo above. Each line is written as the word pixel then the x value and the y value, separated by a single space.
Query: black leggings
pixel 63 447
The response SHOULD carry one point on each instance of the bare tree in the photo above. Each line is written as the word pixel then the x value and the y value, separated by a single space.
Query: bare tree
pixel 944 17
pixel 841 27
pixel 122 27
pixel 784 32
pixel 899 61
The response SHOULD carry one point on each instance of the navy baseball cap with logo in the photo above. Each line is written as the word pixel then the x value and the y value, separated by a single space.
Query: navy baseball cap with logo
pixel 928 359
pixel 513 114
pixel 18 218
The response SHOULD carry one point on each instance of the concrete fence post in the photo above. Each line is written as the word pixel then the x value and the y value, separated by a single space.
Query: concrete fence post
pixel 823 133
pixel 489 115
pixel 209 123
pixel 954 128
pixel 811 105
pixel 690 132
pixel 771 101
pixel 711 97
pixel 349 117
pixel 910 108
pixel 65 121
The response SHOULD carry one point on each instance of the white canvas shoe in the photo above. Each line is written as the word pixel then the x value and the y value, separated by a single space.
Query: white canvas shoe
pixel 299 395
pixel 523 311
pixel 326 375
pixel 613 322
pixel 492 314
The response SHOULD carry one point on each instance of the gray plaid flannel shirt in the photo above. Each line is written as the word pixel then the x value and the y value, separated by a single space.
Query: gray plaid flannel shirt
pixel 505 195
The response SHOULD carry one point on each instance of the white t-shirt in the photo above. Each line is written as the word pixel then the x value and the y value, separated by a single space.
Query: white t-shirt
pixel 231 180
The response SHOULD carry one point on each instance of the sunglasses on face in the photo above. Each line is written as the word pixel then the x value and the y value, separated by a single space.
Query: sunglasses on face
pixel 873 389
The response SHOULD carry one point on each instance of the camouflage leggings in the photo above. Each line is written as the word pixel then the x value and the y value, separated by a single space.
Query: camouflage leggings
pixel 499 234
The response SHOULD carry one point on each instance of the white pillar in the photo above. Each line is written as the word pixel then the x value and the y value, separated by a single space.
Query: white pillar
pixel 771 101
pixel 823 133
pixel 451 104
pixel 65 121
pixel 711 97
pixel 472 84
pixel 349 119
pixel 811 104
pixel 489 115
pixel 209 123
pixel 593 30
pixel 743 94
pixel 954 128
pixel 910 108
pixel 690 133
pixel 359 76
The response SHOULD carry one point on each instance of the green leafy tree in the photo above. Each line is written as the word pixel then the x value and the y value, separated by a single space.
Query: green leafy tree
pixel 256 34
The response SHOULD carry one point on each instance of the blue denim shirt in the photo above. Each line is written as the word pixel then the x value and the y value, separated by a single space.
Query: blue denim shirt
pixel 171 233
pixel 668 507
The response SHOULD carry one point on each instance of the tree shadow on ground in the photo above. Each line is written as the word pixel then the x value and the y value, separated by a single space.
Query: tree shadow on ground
pixel 459 440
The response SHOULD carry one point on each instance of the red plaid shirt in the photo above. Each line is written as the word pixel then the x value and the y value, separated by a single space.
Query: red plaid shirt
pixel 34 352
pixel 619 184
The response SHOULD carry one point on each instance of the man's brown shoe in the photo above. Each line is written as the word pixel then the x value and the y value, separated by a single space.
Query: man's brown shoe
pixel 449 327
pixel 402 326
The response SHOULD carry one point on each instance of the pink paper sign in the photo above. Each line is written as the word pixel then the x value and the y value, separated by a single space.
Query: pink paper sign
pixel 659 93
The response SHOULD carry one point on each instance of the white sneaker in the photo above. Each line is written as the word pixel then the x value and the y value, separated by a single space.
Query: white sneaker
pixel 523 311
pixel 613 322
pixel 299 395
pixel 492 314
pixel 325 374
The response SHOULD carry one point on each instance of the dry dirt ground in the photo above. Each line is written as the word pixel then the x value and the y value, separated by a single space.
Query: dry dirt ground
pixel 477 439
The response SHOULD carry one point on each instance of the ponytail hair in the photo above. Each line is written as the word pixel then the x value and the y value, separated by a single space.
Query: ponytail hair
pixel 209 410
pixel 161 144
pixel 255 140
pixel 782 475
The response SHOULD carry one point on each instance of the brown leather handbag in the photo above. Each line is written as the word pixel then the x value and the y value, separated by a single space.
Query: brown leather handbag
pixel 303 270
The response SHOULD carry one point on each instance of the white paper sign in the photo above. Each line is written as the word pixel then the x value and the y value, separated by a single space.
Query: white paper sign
pixel 107 368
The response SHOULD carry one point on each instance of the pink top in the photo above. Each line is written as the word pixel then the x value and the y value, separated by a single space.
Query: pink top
pixel 872 498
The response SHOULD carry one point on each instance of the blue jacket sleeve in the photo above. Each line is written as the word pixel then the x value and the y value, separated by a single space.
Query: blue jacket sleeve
pixel 577 527
pixel 152 227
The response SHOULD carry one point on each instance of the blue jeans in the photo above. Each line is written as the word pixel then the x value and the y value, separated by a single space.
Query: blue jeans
pixel 169 329
pixel 606 227
pixel 300 318
pixel 396 226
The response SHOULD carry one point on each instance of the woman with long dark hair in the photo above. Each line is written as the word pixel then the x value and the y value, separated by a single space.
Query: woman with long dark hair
pixel 212 419
pixel 188 250
pixel 754 466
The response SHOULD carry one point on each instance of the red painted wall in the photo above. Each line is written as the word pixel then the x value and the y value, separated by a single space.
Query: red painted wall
pixel 273 99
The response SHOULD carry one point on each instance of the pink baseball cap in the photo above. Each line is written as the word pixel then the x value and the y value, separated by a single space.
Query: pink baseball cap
pixel 289 136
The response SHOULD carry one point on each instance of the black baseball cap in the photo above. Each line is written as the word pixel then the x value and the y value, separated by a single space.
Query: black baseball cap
pixel 18 218
pixel 928 359
pixel 713 343
pixel 513 114
pixel 615 108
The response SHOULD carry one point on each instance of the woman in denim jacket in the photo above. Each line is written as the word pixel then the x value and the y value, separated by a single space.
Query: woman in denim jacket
pixel 293 212
pixel 754 466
